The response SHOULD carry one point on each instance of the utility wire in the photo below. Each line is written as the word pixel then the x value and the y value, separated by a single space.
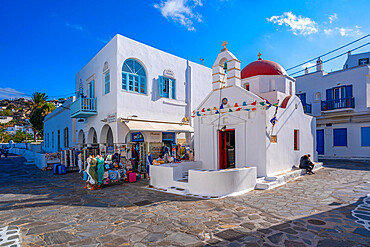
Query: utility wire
pixel 332 58
pixel 330 52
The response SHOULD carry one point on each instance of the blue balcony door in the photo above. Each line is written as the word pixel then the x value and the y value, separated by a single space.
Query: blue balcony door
pixel 92 89
pixel 320 141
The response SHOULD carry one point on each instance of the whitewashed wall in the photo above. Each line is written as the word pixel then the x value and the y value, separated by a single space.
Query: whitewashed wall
pixel 190 86
pixel 59 119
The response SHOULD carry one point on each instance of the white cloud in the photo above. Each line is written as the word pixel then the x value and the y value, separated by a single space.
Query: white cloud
pixel 344 31
pixel 75 26
pixel 181 11
pixel 333 17
pixel 308 65
pixel 7 93
pixel 298 24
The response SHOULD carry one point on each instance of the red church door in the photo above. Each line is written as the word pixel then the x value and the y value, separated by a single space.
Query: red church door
pixel 226 148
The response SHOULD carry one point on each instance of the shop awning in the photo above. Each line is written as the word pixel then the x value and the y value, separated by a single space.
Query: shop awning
pixel 139 125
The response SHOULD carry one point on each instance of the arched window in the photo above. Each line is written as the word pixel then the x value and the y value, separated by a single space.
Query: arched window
pixel 133 76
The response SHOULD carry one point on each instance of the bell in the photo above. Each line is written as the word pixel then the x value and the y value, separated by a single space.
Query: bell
pixel 225 65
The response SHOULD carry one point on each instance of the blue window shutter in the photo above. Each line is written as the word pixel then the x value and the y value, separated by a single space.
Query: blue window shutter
pixel 329 94
pixel 173 84
pixel 365 136
pixel 349 91
pixel 340 137
pixel 160 82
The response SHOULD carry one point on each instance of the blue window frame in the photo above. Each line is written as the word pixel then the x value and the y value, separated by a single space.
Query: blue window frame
pixel 106 82
pixel 302 97
pixel 133 76
pixel 365 136
pixel 167 87
pixel 168 136
pixel 340 137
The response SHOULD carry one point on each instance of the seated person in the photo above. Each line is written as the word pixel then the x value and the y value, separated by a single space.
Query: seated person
pixel 305 163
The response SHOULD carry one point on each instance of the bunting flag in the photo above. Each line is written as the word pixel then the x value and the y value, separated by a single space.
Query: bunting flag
pixel 235 107
pixel 273 121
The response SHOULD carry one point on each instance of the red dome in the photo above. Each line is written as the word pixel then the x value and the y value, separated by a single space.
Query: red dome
pixel 262 67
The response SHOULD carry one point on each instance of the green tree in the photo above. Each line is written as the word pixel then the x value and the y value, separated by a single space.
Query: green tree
pixel 38 99
pixel 5 137
pixel 37 120
pixel 6 112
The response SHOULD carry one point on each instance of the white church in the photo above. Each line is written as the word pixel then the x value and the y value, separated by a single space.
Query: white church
pixel 251 125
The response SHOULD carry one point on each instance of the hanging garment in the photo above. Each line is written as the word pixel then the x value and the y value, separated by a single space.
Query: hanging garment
pixel 92 170
pixel 90 178
pixel 100 169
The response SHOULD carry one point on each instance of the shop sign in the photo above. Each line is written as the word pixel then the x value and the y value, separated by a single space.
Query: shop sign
pixel 137 137
pixel 112 117
pixel 155 137
pixel 168 73
pixel 110 149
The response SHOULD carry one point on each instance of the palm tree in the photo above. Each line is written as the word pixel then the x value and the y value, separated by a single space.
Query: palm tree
pixel 38 99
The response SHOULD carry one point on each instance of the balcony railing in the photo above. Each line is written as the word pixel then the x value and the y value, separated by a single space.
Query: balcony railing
pixel 337 104
pixel 83 107
pixel 307 108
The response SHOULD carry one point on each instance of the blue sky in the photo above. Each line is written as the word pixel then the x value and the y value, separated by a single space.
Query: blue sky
pixel 45 43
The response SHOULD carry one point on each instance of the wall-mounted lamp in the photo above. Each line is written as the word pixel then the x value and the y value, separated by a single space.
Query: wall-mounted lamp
pixel 223 128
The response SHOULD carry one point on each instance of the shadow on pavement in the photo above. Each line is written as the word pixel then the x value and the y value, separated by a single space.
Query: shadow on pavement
pixel 346 164
pixel 339 227
pixel 36 188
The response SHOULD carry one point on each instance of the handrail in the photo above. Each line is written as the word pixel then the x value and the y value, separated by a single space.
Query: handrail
pixel 327 105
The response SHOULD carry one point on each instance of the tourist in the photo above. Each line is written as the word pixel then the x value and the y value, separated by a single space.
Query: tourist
pixel 305 163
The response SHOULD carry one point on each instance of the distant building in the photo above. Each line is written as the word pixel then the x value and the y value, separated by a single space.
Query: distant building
pixel 24 128
pixel 340 101
pixel 5 119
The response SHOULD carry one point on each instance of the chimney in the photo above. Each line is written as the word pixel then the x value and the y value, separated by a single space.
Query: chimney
pixel 318 65
pixel 306 71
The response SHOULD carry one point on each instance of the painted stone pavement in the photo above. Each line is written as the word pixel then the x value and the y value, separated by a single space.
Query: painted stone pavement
pixel 329 208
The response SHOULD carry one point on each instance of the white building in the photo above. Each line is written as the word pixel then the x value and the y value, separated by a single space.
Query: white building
pixel 5 119
pixel 23 128
pixel 60 128
pixel 131 93
pixel 340 102
pixel 234 138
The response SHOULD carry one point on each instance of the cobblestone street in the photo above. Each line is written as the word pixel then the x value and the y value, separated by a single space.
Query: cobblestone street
pixel 329 208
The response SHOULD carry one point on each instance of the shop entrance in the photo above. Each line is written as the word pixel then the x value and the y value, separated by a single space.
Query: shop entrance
pixel 226 148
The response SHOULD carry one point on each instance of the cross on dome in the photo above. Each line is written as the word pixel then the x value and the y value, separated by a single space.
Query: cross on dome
pixel 259 56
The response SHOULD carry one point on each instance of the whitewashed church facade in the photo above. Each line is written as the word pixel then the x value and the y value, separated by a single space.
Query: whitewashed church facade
pixel 250 125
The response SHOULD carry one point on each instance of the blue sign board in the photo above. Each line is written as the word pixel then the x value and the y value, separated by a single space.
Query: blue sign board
pixel 137 137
